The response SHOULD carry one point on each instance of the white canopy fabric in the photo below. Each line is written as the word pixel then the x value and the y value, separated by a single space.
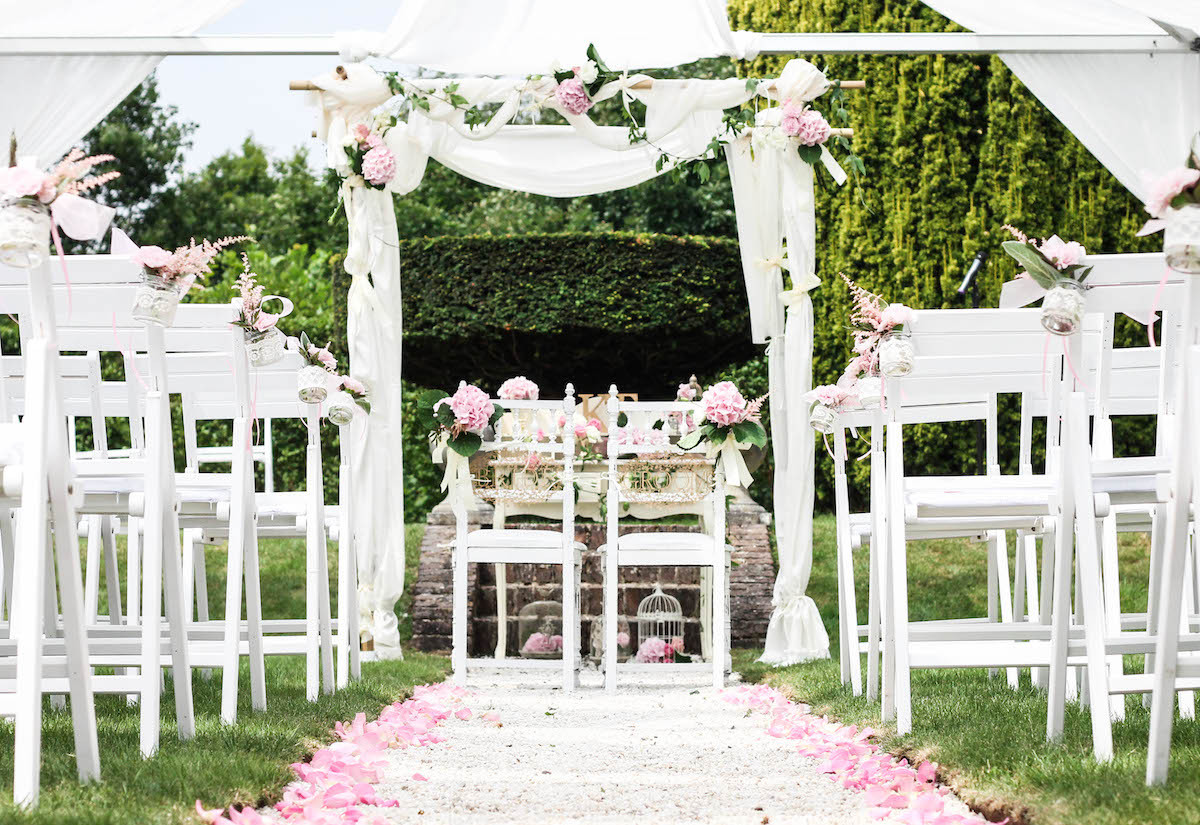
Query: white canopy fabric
pixel 521 37
pixel 774 198
pixel 50 103
pixel 1137 113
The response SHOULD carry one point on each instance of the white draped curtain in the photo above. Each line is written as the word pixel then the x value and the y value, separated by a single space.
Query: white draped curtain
pixel 1136 113
pixel 51 102
pixel 520 37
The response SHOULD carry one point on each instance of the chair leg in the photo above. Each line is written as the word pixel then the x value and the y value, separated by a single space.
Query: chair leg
pixel 91 570
pixel 112 571
pixel 570 622
pixel 133 584
pixel 873 622
pixel 1158 536
pixel 1110 577
pixel 611 579
pixel 327 679
pixel 898 551
pixel 1041 675
pixel 200 583
pixel 999 542
pixel 458 653
pixel 234 575
pixel 7 554
pixel 718 620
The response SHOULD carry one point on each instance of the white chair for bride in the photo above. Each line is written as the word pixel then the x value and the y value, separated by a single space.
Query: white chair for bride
pixel 706 549
pixel 513 472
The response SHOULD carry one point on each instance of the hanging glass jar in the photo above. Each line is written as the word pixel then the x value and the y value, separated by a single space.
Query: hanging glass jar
pixel 869 391
pixel 341 408
pixel 24 232
pixel 156 299
pixel 312 383
pixel 896 354
pixel 1062 308
pixel 1181 239
pixel 822 419
pixel 264 347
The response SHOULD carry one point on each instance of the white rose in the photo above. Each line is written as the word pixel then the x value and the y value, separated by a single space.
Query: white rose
pixel 349 141
pixel 356 180
pixel 768 137
pixel 588 72
pixel 592 434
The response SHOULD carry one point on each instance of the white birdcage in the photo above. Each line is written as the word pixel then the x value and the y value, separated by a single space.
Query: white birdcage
pixel 660 627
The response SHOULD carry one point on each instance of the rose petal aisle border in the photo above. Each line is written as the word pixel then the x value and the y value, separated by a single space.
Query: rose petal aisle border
pixel 894 790
pixel 338 784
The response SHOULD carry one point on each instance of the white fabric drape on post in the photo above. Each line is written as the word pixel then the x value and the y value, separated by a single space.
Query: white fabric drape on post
pixel 563 161
pixel 773 198
pixel 1136 113
pixel 50 103
pixel 529 36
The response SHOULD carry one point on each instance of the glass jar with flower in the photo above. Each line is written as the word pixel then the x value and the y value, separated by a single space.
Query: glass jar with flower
pixel 350 397
pixel 880 339
pixel 1174 206
pixel 29 198
pixel 263 339
pixel 312 380
pixel 167 276
pixel 1057 267
pixel 826 403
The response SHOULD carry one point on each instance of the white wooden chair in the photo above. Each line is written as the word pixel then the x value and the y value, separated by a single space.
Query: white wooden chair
pixel 706 550
pixel 37 476
pixel 506 545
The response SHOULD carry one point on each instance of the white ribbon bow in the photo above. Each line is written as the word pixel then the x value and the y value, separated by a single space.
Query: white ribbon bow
pixel 456 480
pixel 729 453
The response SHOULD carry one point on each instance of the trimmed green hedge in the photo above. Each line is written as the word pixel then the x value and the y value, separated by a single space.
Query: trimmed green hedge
pixel 643 311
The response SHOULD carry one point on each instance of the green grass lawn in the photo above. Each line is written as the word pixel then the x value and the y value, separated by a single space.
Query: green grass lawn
pixel 990 740
pixel 247 763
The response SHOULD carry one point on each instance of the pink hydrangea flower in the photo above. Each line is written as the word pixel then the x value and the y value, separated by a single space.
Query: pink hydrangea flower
pixel 622 639
pixel 152 257
pixel 379 165
pixel 724 405
pixel 472 408
pixel 1165 189
pixel 542 643
pixel 1062 253
pixel 518 389
pixel 572 97
pixel 651 650
pixel 805 125
pixel 19 182
pixel 686 392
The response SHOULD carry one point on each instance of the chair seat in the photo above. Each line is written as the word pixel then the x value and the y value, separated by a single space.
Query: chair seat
pixel 517 546
pixel 662 548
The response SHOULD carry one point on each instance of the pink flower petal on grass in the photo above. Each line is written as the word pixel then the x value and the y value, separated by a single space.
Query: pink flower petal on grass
pixel 419 778
pixel 463 713
pixel 491 716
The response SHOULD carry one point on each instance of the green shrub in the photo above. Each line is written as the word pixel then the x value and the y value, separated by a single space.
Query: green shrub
pixel 955 147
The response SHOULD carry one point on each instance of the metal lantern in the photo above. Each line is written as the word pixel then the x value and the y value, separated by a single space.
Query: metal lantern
pixel 660 627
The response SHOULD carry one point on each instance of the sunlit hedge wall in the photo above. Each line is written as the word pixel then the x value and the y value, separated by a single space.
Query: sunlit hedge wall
pixel 955 147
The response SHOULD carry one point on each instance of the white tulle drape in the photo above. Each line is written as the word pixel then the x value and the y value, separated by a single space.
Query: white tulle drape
pixel 773 196
pixel 1136 113
pixel 50 103
pixel 567 161
pixel 529 36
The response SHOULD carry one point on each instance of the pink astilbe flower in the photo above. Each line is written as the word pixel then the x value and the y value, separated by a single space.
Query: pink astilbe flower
pixel 252 316
pixel 519 388
pixel 187 262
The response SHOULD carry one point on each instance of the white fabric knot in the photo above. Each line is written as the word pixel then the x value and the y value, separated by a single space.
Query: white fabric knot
pixel 800 81
pixel 773 261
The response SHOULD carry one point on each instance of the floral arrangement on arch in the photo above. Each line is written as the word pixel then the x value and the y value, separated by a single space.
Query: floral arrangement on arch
pixel 577 86
pixel 370 161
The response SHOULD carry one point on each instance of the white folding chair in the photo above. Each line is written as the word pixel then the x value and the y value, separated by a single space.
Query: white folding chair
pixel 504 545
pixel 706 550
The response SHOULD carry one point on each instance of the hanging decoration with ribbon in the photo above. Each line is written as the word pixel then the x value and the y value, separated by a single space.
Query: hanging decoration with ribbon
pixel 729 426
pixel 456 424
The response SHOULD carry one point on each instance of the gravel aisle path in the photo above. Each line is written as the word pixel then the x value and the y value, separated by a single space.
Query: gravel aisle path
pixel 665 752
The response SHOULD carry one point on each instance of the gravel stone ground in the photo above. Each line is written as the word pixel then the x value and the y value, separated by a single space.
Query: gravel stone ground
pixel 661 750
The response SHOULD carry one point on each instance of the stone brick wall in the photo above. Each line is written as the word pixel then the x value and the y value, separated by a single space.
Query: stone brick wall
pixel 752 578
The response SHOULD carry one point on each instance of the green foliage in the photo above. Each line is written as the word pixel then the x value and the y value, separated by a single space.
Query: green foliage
pixel 955 147
pixel 642 311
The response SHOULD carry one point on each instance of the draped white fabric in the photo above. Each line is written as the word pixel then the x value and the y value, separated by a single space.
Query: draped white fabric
pixel 530 36
pixel 773 198
pixel 50 103
pixel 567 161
pixel 1136 113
